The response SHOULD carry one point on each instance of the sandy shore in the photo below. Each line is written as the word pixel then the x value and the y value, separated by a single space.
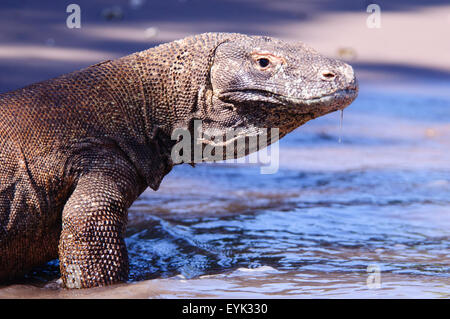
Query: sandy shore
pixel 332 285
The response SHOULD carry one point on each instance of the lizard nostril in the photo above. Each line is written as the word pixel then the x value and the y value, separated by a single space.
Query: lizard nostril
pixel 328 75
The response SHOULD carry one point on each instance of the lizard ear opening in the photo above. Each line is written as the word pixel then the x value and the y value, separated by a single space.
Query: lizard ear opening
pixel 213 52
pixel 212 60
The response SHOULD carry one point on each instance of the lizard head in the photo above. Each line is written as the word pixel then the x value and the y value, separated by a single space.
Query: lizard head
pixel 271 83
pixel 264 82
pixel 258 83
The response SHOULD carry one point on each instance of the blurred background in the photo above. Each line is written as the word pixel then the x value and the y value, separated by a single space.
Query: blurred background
pixel 336 212
pixel 36 44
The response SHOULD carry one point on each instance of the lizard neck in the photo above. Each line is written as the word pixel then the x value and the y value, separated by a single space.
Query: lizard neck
pixel 158 90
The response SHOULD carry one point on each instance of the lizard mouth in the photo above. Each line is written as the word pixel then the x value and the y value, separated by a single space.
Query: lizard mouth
pixel 329 103
pixel 334 101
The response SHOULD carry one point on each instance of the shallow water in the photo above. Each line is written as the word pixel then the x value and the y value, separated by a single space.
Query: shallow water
pixel 333 212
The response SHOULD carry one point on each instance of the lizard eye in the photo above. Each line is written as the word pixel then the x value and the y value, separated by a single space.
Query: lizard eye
pixel 266 61
pixel 263 62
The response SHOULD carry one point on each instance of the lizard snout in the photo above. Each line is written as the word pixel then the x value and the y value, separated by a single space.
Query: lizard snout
pixel 343 72
pixel 349 76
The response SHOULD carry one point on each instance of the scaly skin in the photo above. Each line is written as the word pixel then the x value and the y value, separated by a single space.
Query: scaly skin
pixel 77 150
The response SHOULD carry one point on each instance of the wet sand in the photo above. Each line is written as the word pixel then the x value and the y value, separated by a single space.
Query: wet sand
pixel 252 283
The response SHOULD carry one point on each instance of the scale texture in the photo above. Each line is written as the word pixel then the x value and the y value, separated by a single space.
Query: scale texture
pixel 77 150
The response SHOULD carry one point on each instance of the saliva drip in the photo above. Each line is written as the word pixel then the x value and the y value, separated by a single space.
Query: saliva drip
pixel 340 126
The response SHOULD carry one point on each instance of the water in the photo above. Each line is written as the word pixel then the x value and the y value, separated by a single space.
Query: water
pixel 376 200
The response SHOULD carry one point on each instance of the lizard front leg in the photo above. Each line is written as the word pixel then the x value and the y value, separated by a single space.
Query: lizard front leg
pixel 92 249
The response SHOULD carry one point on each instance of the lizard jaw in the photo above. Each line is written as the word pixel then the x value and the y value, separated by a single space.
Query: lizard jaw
pixel 331 102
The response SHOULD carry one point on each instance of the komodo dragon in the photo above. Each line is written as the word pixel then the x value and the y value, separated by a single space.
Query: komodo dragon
pixel 77 150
